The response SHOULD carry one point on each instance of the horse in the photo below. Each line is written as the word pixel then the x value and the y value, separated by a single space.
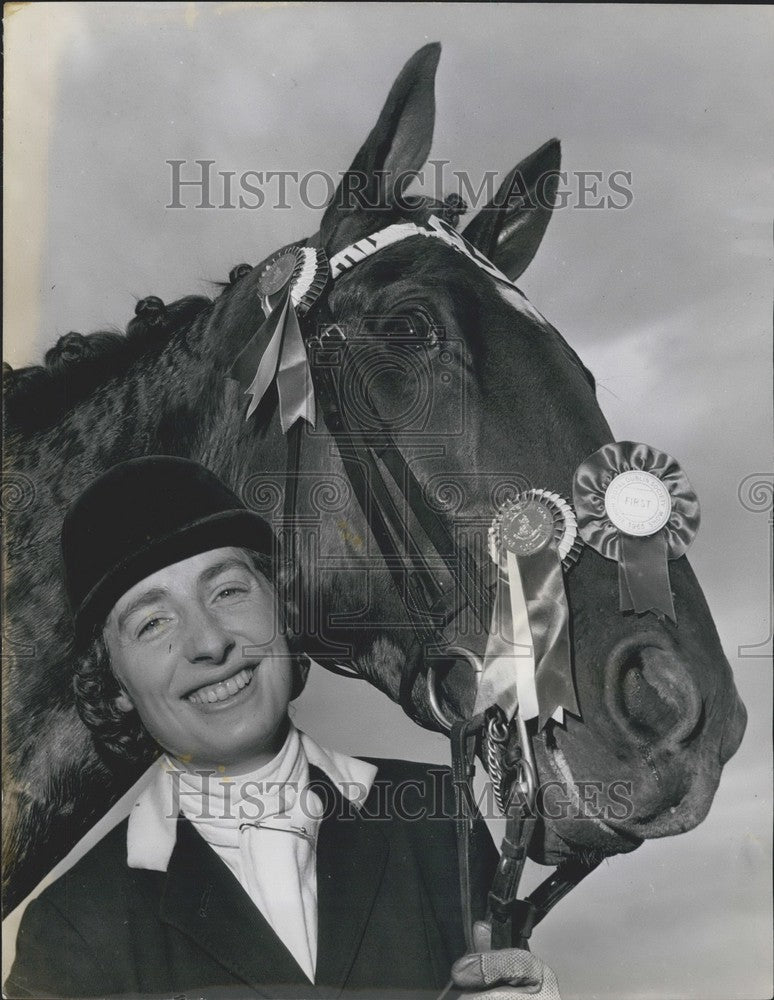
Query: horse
pixel 482 398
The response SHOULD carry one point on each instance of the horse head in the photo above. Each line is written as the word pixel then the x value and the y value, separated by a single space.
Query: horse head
pixel 482 398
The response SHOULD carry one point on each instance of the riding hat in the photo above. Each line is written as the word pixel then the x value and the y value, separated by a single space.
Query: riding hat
pixel 141 516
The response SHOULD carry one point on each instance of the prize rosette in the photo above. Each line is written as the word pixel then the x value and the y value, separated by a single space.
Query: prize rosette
pixel 289 284
pixel 305 269
pixel 527 663
pixel 635 505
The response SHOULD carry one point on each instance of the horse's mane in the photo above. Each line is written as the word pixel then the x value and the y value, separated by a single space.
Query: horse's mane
pixel 38 395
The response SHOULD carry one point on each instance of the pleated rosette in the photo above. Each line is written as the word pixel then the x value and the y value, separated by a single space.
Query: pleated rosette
pixel 289 284
pixel 528 660
pixel 635 505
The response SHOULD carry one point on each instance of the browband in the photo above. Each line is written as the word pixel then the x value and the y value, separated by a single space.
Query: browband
pixel 435 227
pixel 294 278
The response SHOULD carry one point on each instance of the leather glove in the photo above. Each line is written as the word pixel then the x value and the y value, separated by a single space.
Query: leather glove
pixel 504 974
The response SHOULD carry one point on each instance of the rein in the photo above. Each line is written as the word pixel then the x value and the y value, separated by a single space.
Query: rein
pixel 511 919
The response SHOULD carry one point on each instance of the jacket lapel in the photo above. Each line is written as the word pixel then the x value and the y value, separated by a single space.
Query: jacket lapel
pixel 352 854
pixel 203 900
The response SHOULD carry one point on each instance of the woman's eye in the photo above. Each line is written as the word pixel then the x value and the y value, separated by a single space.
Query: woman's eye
pixel 230 591
pixel 151 626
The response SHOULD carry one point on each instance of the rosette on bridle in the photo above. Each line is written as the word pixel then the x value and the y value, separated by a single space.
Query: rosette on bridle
pixel 289 284
pixel 635 505
pixel 527 663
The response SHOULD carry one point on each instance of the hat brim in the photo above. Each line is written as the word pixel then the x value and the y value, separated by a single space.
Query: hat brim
pixel 236 528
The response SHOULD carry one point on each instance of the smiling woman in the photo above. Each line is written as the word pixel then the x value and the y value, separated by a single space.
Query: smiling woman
pixel 199 656
pixel 252 855
pixel 195 650
pixel 179 637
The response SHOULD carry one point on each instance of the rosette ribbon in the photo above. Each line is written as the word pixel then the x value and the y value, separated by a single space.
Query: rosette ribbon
pixel 635 505
pixel 288 285
pixel 527 662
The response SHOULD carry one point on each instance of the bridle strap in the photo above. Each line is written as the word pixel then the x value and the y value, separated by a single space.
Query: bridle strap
pixel 463 748
pixel 553 889
pixel 377 506
pixel 434 228
pixel 429 605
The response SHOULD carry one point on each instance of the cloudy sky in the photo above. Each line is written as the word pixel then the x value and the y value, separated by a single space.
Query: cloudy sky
pixel 667 301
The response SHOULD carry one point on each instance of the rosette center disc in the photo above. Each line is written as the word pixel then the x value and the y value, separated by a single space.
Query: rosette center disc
pixel 638 503
pixel 526 527
pixel 277 274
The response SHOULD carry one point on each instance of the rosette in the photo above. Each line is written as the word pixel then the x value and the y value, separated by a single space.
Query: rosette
pixel 289 284
pixel 527 663
pixel 635 505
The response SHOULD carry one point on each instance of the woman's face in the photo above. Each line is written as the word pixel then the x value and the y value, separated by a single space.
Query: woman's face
pixel 198 652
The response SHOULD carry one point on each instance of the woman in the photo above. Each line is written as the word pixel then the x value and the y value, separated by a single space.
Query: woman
pixel 254 861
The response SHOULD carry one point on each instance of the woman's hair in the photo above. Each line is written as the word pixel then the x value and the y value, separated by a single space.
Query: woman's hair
pixel 96 687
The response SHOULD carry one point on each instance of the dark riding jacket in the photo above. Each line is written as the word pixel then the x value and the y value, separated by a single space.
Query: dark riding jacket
pixel 389 914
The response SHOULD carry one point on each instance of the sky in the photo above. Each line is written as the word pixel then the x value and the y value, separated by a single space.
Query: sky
pixel 668 301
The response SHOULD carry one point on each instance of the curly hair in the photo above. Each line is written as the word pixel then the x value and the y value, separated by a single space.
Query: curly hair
pixel 96 687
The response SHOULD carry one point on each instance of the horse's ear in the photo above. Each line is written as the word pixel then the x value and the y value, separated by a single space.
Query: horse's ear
pixel 399 143
pixel 510 228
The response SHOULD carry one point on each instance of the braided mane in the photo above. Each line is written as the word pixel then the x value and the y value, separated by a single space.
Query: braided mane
pixel 38 395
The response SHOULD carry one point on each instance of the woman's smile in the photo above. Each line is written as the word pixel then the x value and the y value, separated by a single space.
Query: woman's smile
pixel 222 692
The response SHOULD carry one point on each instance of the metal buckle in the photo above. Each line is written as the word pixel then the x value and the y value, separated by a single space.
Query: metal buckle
pixel 328 337
pixel 453 652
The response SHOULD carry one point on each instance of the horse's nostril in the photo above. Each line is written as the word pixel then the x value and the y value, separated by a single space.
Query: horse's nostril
pixel 656 695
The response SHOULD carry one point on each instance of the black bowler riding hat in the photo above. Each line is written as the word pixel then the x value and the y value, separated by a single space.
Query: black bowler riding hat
pixel 141 516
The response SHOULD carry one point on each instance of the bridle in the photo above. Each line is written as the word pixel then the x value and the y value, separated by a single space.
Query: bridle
pixel 377 470
pixel 433 592
pixel 372 461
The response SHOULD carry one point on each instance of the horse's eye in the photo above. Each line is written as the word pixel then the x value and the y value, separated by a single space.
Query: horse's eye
pixel 421 327
pixel 410 324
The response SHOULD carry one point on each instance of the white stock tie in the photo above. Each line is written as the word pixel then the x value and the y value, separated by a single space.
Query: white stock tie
pixel 264 825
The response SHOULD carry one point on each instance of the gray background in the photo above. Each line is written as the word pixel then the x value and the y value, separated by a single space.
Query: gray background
pixel 668 302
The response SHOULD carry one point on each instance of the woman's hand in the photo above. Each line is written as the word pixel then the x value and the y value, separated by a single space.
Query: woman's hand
pixel 504 974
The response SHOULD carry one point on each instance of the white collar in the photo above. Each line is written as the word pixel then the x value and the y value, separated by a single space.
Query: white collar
pixel 152 830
